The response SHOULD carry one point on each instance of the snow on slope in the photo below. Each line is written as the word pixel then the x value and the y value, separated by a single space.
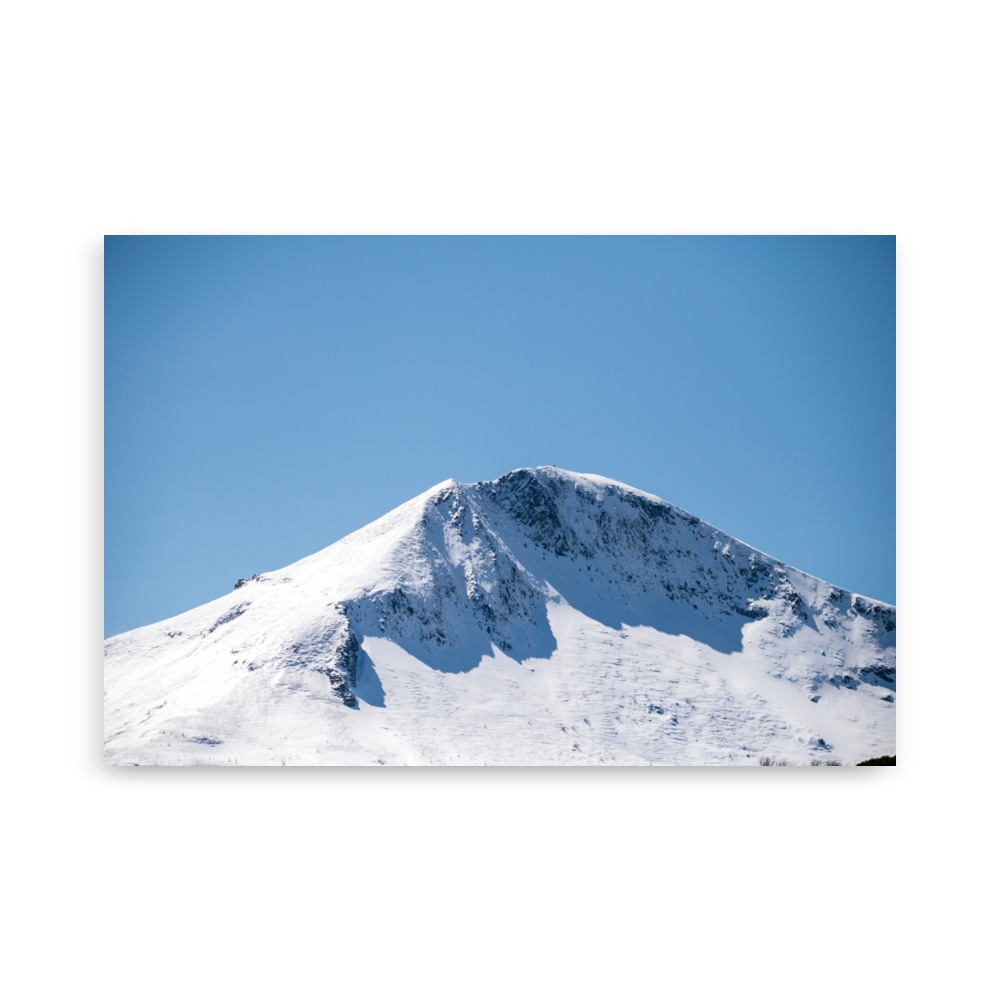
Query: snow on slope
pixel 545 617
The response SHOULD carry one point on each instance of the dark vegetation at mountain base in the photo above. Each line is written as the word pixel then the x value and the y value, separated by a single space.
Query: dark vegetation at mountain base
pixel 872 762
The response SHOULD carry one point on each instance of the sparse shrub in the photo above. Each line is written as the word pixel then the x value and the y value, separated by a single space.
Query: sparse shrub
pixel 878 762
pixel 815 763
pixel 772 762
pixel 833 763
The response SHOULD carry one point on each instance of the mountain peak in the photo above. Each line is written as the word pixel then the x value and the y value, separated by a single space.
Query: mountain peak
pixel 546 572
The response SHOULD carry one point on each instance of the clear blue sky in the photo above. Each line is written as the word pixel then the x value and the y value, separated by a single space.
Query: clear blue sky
pixel 266 396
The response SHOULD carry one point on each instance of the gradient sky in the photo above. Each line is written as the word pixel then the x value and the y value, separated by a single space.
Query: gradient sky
pixel 264 396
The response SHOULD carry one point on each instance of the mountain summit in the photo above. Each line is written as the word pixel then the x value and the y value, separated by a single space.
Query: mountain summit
pixel 545 617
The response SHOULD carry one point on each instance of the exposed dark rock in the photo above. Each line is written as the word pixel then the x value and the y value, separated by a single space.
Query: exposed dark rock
pixel 343 670
pixel 235 613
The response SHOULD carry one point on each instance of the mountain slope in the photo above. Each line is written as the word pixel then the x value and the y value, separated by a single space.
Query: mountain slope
pixel 543 617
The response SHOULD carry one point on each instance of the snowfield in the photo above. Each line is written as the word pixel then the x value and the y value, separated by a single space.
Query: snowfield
pixel 546 617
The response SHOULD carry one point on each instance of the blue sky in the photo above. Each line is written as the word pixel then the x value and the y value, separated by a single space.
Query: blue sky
pixel 264 396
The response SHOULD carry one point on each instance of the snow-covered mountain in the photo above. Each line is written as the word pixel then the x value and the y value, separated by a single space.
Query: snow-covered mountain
pixel 545 617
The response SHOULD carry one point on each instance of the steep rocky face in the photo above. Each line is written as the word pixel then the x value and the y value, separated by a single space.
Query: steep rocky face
pixel 498 551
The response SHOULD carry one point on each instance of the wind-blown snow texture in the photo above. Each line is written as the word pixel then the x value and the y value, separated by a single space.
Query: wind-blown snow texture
pixel 545 617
